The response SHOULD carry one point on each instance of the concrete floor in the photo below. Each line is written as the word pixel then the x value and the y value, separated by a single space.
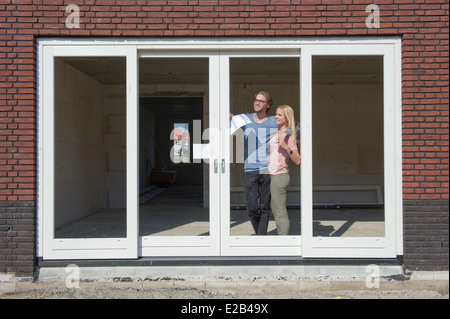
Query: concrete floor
pixel 178 211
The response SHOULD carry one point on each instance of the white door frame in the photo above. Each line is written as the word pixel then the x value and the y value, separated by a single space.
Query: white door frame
pixel 221 242
pixel 247 245
pixel 195 245
pixel 84 248
pixel 387 246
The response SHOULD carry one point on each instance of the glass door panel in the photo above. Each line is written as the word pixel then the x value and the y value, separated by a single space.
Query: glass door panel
pixel 90 147
pixel 350 114
pixel 175 151
pixel 87 156
pixel 171 182
pixel 348 161
pixel 249 75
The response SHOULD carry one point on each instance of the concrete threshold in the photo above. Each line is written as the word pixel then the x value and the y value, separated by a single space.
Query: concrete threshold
pixel 238 272
pixel 295 278
pixel 237 280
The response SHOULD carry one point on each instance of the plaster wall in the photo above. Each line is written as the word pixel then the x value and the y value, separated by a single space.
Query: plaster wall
pixel 79 144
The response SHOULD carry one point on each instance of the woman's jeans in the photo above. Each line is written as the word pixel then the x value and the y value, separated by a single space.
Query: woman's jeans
pixel 278 188
pixel 257 199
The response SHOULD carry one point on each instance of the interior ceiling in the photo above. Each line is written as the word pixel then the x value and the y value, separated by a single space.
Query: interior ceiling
pixel 152 71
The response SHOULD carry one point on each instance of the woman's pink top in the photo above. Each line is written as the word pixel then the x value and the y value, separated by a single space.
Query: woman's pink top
pixel 278 156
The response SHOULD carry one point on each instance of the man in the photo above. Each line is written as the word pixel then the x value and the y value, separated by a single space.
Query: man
pixel 256 177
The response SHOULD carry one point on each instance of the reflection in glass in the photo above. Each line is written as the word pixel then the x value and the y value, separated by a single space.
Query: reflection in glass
pixel 181 143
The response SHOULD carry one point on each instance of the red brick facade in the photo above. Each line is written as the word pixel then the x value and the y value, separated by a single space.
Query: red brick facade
pixel 422 25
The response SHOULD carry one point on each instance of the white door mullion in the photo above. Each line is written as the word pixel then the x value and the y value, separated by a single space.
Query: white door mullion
pixel 132 175
pixel 215 159
pixel 47 171
pixel 225 153
pixel 306 150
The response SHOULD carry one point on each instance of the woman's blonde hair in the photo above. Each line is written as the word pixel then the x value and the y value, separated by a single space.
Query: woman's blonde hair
pixel 290 119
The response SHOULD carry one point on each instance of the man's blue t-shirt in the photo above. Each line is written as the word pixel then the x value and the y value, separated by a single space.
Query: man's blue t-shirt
pixel 256 137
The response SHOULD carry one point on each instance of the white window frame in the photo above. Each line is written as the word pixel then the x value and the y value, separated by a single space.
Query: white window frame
pixel 83 248
pixel 220 51
pixel 248 245
pixel 390 245
pixel 193 245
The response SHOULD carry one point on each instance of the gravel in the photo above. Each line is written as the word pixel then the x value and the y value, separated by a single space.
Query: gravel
pixel 117 292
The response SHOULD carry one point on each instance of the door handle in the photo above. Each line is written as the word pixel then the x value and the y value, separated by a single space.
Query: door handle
pixel 223 166
pixel 216 168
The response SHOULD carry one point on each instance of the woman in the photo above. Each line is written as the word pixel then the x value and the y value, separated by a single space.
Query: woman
pixel 281 148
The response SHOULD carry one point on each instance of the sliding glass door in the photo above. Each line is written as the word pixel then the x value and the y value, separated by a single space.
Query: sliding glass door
pixel 243 75
pixel 88 115
pixel 351 151
pixel 179 177
pixel 137 157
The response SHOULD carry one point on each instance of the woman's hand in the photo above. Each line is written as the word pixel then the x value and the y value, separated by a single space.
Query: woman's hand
pixel 281 141
pixel 295 156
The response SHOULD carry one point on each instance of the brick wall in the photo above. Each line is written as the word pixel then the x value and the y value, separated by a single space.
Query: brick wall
pixel 426 234
pixel 17 237
pixel 423 26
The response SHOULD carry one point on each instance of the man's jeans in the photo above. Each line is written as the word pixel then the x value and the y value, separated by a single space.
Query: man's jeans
pixel 257 198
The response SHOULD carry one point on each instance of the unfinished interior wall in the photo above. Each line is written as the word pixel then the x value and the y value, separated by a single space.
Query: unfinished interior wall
pixel 348 143
pixel 90 142
pixel 348 124
pixel 147 148
pixel 79 144
pixel 115 146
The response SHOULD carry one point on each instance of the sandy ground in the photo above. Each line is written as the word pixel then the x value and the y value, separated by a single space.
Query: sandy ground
pixel 192 293
pixel 138 291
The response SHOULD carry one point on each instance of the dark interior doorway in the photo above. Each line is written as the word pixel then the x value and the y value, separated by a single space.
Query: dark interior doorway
pixel 171 182
pixel 161 137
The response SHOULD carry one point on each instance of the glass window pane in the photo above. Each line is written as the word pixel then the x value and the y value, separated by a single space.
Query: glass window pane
pixel 279 77
pixel 348 165
pixel 90 147
pixel 174 187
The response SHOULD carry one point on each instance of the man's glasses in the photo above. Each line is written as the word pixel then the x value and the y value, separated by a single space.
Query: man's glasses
pixel 259 101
